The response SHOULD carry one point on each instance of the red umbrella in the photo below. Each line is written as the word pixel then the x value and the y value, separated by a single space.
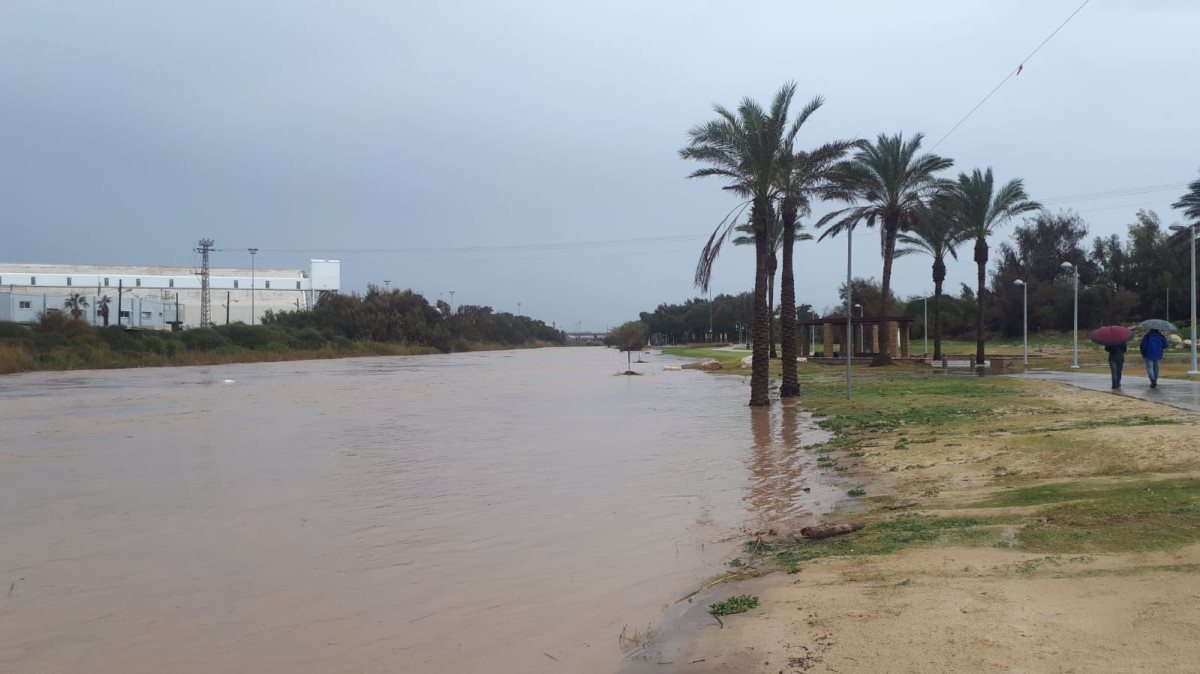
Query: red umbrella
pixel 1111 335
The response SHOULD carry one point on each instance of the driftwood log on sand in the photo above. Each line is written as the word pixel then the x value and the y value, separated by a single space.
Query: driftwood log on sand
pixel 828 530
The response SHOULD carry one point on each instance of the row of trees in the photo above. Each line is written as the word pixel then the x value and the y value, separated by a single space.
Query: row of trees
pixel 407 317
pixel 887 184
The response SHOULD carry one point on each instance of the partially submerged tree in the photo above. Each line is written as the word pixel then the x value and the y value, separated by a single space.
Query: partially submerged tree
pixel 807 176
pixel 748 148
pixel 630 337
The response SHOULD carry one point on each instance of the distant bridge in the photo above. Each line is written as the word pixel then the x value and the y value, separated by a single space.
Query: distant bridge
pixel 586 336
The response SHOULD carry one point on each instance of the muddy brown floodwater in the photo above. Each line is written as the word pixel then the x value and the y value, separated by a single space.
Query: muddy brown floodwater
pixel 487 512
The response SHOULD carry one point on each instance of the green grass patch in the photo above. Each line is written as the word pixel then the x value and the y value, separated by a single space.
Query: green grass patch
pixel 1125 516
pixel 890 403
pixel 738 604
pixel 881 538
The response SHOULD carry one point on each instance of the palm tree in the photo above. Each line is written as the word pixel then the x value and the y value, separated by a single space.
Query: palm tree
pixel 894 183
pixel 776 242
pixel 981 210
pixel 1190 202
pixel 102 308
pixel 807 176
pixel 746 147
pixel 76 303
pixel 936 234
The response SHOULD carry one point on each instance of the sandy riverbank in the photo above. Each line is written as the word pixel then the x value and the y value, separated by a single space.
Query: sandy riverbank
pixel 1012 526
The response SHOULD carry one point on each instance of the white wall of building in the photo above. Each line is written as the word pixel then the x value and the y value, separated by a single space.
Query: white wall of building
pixel 136 312
pixel 233 291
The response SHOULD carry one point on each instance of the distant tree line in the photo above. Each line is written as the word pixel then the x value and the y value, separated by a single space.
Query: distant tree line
pixel 405 316
pixel 1121 280
pixel 375 323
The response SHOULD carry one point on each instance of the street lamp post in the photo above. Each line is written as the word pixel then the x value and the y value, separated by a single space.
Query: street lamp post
pixel 861 329
pixel 253 252
pixel 518 308
pixel 1075 274
pixel 849 313
pixel 452 301
pixel 1191 229
pixel 1024 318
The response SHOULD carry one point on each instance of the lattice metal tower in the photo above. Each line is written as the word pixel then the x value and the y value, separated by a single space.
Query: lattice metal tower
pixel 205 247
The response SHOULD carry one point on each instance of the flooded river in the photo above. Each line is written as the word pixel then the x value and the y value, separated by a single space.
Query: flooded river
pixel 487 512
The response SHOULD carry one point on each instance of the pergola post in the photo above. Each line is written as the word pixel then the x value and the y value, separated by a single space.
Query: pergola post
pixel 874 338
pixel 905 338
pixel 891 326
pixel 827 339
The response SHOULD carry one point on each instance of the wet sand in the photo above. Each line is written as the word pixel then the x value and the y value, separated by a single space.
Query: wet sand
pixel 489 512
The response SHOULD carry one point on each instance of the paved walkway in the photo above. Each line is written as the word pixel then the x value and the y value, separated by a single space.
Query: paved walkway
pixel 1179 393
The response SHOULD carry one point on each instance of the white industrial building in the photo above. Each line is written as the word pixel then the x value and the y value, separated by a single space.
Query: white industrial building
pixel 156 296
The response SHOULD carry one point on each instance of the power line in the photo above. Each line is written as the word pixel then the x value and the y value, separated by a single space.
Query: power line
pixel 1120 192
pixel 1013 73
pixel 561 245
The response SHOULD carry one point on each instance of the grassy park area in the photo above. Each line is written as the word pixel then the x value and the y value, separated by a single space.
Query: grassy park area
pixel 1004 510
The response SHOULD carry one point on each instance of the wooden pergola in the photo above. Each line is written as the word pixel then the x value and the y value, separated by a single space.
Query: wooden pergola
pixel 863 339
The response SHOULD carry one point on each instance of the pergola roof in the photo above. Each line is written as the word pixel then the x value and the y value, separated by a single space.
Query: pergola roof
pixel 858 320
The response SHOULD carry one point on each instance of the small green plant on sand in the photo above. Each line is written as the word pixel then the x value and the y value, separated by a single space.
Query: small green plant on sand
pixel 857 491
pixel 738 604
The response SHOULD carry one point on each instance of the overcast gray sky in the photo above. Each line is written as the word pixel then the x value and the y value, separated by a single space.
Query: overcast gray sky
pixel 128 130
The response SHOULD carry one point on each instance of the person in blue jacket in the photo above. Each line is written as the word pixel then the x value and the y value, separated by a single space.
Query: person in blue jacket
pixel 1152 347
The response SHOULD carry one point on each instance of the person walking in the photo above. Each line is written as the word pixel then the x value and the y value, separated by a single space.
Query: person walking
pixel 1152 347
pixel 1116 362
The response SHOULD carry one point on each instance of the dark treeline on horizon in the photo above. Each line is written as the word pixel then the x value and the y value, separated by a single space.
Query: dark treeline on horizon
pixel 1121 280
pixel 405 316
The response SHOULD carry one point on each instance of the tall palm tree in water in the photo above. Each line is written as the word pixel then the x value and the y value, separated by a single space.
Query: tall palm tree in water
pixel 807 176
pixel 746 147
pixel 746 238
pixel 981 209
pixel 937 234
pixel 892 183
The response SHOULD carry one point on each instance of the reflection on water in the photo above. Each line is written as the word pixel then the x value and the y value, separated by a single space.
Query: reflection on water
pixel 467 513
pixel 780 469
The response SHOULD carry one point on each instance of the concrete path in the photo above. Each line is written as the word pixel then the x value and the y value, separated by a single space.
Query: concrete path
pixel 1179 393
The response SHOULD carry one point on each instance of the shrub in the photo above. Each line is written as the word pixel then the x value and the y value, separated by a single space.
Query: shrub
pixel 308 338
pixel 203 339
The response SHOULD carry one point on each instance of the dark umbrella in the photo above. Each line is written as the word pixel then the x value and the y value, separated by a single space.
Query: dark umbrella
pixel 1157 324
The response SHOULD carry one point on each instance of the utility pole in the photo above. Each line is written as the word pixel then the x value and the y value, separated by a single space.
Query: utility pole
pixel 253 251
pixel 227 303
pixel 451 301
pixel 205 247
pixel 120 299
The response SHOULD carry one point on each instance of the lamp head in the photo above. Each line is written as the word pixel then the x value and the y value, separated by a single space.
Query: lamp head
pixel 1018 282
pixel 1067 266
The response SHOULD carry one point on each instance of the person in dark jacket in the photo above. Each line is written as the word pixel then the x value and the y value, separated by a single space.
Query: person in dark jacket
pixel 1116 361
pixel 1152 346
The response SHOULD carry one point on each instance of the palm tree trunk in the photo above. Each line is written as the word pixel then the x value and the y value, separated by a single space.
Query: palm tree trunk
pixel 939 277
pixel 787 307
pixel 760 327
pixel 981 259
pixel 884 357
pixel 771 313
